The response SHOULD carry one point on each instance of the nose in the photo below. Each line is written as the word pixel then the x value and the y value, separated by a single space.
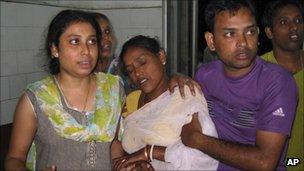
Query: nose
pixel 241 40
pixel 293 26
pixel 85 50
pixel 137 71
pixel 105 36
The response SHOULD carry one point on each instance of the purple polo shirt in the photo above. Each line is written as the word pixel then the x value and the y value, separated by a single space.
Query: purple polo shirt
pixel 263 99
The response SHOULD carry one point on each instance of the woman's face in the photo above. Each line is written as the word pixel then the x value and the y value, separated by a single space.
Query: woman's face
pixel 77 50
pixel 146 69
pixel 107 44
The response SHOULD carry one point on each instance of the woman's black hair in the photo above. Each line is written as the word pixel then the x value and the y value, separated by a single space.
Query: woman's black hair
pixel 57 27
pixel 274 6
pixel 217 6
pixel 140 41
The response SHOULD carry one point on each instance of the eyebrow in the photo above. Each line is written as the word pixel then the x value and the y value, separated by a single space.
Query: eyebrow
pixel 136 59
pixel 77 35
pixel 232 29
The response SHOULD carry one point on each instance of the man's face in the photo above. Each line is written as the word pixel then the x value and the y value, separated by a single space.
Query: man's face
pixel 235 39
pixel 288 30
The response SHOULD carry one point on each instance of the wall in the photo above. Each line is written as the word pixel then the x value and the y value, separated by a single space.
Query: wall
pixel 23 30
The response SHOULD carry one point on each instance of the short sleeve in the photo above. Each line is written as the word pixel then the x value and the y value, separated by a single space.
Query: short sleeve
pixel 278 108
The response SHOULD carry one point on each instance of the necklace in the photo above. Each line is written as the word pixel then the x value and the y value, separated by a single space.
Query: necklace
pixel 66 99
pixel 86 99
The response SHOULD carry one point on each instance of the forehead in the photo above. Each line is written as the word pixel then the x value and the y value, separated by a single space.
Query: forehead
pixel 79 28
pixel 288 10
pixel 241 18
pixel 136 52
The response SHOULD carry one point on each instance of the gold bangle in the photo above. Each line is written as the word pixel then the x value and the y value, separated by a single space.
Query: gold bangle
pixel 151 153
pixel 146 153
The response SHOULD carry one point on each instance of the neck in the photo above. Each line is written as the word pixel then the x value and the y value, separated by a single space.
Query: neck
pixel 290 60
pixel 238 72
pixel 68 82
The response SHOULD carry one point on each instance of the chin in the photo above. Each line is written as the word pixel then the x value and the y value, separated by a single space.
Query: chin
pixel 146 90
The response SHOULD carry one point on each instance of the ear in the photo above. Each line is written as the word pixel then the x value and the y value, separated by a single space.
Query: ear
pixel 268 32
pixel 210 40
pixel 162 56
pixel 54 51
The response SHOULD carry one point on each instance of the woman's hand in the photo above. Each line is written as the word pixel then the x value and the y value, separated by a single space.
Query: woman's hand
pixel 116 149
pixel 181 80
pixel 130 161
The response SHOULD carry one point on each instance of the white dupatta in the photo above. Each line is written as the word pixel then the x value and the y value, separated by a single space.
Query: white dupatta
pixel 160 122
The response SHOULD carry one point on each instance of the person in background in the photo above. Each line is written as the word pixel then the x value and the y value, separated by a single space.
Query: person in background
pixel 154 118
pixel 107 62
pixel 283 22
pixel 72 114
pixel 251 113
pixel 110 63
pixel 209 55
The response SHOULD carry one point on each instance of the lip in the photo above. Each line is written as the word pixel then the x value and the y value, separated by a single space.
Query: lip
pixel 142 81
pixel 242 56
pixel 106 47
pixel 85 64
pixel 294 37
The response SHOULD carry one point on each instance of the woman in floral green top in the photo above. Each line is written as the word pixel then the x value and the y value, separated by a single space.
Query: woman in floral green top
pixel 69 118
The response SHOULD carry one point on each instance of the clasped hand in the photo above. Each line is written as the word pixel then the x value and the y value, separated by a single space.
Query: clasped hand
pixel 134 161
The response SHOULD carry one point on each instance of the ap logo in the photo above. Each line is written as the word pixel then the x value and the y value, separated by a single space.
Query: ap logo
pixel 292 161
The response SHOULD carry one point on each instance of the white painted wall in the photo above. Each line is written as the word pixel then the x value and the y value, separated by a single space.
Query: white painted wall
pixel 23 28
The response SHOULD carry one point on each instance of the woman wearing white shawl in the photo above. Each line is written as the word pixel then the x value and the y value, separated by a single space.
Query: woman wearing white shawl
pixel 154 118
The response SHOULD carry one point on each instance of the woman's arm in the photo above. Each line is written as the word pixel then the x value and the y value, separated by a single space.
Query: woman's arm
pixel 24 128
pixel 145 154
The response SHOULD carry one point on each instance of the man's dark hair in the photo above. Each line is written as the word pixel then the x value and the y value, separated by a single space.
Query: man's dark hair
pixel 274 6
pixel 217 6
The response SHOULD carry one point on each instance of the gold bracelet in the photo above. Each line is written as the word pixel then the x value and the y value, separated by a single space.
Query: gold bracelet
pixel 146 153
pixel 151 153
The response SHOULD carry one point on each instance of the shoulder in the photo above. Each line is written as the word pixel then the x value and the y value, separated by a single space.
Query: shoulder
pixel 268 56
pixel 207 70
pixel 210 66
pixel 273 71
pixel 273 76
pixel 107 77
pixel 188 96
pixel 134 95
pixel 38 84
pixel 131 102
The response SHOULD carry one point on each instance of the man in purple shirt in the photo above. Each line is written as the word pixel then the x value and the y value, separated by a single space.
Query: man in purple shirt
pixel 251 102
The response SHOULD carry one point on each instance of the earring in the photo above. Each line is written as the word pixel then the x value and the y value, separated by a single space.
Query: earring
pixel 164 63
pixel 212 48
pixel 56 55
